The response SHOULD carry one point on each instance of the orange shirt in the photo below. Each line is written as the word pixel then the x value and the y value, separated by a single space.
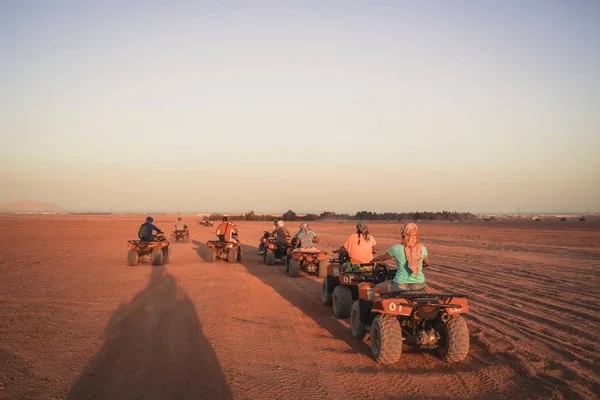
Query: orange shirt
pixel 360 253
pixel 226 229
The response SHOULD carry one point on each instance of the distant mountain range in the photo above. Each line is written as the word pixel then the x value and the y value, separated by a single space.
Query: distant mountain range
pixel 26 205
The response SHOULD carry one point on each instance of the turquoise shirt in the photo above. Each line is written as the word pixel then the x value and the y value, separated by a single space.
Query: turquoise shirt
pixel 403 273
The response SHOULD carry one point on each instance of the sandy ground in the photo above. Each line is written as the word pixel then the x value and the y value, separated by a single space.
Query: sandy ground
pixel 77 322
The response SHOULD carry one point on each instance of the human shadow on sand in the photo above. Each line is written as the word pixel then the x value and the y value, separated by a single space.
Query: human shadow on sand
pixel 276 277
pixel 154 349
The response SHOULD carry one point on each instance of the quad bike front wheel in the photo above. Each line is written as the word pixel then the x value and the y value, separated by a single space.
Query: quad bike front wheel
pixel 386 339
pixel 294 268
pixel 342 301
pixel 325 294
pixel 158 257
pixel 133 258
pixel 356 324
pixel 454 339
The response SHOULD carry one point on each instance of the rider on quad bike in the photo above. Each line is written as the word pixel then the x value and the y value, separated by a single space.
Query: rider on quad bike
pixel 226 231
pixel 181 231
pixel 145 233
pixel 305 238
pixel 180 225
pixel 267 235
pixel 403 311
pixel 360 248
pixel 411 256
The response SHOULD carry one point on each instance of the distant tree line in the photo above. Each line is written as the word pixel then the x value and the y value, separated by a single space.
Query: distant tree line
pixel 361 215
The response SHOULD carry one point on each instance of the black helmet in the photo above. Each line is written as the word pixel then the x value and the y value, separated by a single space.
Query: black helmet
pixel 149 219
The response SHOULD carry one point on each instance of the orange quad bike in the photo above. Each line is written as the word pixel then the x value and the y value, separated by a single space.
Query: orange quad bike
pixel 310 261
pixel 427 320
pixel 157 251
pixel 340 287
pixel 230 251
pixel 181 235
pixel 274 251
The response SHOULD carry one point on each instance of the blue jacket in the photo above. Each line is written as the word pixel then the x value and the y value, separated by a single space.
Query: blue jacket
pixel 151 229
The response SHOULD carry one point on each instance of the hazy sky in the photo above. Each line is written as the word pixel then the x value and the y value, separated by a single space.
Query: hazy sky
pixel 309 105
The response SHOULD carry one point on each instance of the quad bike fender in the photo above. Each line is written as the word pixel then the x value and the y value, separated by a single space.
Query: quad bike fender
pixel 297 256
pixel 463 306
pixel 348 279
pixel 363 290
pixel 322 257
pixel 333 269
pixel 222 245
pixel 394 306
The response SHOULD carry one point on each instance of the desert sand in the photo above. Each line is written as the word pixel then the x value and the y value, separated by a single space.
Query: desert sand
pixel 76 322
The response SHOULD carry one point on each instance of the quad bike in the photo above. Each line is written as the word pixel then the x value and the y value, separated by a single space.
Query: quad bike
pixel 181 235
pixel 340 287
pixel 230 251
pixel 312 262
pixel 274 251
pixel 205 223
pixel 431 321
pixel 157 251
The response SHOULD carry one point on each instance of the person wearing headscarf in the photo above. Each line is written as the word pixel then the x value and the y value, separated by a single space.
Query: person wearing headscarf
pixel 281 233
pixel 360 247
pixel 306 237
pixel 411 256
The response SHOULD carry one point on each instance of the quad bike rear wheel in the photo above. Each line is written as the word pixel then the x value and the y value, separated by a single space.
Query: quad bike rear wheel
pixel 211 254
pixel 342 301
pixel 133 258
pixel 325 294
pixel 167 254
pixel 294 268
pixel 269 257
pixel 356 323
pixel 232 255
pixel 323 268
pixel 386 339
pixel 186 239
pixel 454 339
pixel 157 257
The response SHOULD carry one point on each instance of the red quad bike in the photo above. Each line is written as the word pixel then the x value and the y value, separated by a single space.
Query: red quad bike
pixel 340 287
pixel 230 251
pixel 428 320
pixel 273 250
pixel 312 262
pixel 157 251
pixel 181 236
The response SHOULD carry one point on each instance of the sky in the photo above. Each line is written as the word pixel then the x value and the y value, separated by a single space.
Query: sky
pixel 232 106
